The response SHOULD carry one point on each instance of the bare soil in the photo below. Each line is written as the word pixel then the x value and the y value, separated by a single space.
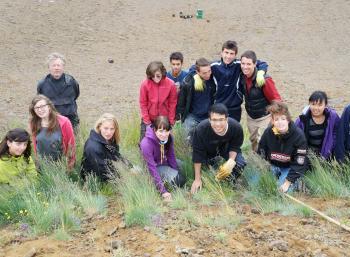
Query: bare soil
pixel 306 44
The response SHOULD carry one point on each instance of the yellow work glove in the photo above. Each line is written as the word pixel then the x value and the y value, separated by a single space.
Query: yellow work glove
pixel 275 131
pixel 260 79
pixel 225 170
pixel 198 83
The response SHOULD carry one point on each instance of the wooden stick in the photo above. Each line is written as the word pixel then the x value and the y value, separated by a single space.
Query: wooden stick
pixel 318 212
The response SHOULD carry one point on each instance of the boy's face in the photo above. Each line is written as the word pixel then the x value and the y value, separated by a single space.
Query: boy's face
pixel 317 108
pixel 228 55
pixel 218 122
pixel 204 72
pixel 247 66
pixel 176 66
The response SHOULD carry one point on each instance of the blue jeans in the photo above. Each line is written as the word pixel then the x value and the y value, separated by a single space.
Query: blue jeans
pixel 190 123
pixel 280 173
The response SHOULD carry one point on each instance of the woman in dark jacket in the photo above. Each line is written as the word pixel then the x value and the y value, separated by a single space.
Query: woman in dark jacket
pixel 102 149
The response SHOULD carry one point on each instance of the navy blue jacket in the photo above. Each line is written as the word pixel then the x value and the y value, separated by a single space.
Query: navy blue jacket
pixel 228 89
pixel 184 103
pixel 342 146
pixel 98 157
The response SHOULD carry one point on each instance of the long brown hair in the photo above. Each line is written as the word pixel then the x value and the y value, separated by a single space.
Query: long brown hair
pixel 35 121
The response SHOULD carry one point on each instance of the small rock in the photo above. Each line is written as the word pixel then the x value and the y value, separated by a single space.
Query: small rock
pixel 133 239
pixel 280 245
pixel 122 225
pixel 31 253
pixel 255 211
pixel 200 251
pixel 112 232
pixel 115 244
pixel 159 249
pixel 110 60
pixel 246 209
pixel 121 213
pixel 319 253
pixel 108 249
pixel 173 15
pixel 147 255
pixel 208 21
pixel 147 228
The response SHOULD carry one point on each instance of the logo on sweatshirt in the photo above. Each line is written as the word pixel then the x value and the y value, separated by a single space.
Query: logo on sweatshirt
pixel 280 157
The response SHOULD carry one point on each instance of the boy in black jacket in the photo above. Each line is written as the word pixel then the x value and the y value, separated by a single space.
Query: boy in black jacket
pixel 284 146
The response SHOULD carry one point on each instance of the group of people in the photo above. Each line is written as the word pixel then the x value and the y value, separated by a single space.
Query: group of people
pixel 206 100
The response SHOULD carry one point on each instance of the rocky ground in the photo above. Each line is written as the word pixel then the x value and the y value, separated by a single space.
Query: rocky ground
pixel 256 234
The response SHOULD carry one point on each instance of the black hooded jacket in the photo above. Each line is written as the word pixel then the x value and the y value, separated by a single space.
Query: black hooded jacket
pixel 98 157
pixel 287 150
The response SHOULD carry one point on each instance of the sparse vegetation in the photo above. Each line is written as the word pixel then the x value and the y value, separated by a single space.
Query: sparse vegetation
pixel 58 202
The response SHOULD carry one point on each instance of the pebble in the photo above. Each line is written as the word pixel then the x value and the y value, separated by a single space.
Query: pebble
pixel 122 225
pixel 159 249
pixel 133 239
pixel 147 255
pixel 147 228
pixel 110 60
pixel 31 253
pixel 112 232
pixel 280 245
pixel 181 250
pixel 200 251
pixel 319 253
pixel 255 211
pixel 116 244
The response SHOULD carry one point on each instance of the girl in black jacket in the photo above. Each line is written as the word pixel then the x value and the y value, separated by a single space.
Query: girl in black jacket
pixel 102 149
pixel 284 146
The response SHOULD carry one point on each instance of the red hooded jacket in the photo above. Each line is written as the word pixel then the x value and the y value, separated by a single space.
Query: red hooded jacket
pixel 158 99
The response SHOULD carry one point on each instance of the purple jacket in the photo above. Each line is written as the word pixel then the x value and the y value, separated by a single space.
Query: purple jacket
pixel 150 149
pixel 329 140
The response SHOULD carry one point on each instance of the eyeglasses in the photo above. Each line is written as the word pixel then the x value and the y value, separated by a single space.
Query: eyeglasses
pixel 218 120
pixel 40 107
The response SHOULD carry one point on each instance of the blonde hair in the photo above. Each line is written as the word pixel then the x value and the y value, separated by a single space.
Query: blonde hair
pixel 108 117
pixel 53 56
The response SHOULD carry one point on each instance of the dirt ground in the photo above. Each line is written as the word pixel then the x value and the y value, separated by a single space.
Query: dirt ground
pixel 306 44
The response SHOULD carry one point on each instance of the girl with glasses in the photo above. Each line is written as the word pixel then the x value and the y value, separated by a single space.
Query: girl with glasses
pixel 52 133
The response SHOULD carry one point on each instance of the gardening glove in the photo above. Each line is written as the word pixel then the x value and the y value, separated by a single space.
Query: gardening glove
pixel 198 83
pixel 275 131
pixel 260 79
pixel 225 170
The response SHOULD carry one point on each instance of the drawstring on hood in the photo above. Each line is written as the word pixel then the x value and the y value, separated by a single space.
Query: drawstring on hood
pixel 162 152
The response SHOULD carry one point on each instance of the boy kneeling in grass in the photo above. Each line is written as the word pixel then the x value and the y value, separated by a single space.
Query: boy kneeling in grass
pixel 284 146
pixel 219 136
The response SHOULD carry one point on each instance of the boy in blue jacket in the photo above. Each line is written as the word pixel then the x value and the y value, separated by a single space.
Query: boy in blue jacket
pixel 226 74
